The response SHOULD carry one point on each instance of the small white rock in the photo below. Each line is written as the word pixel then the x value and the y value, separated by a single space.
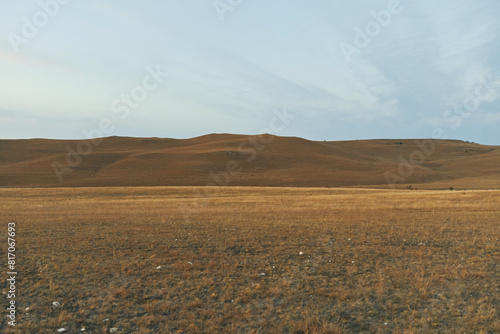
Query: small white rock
pixel 61 330
pixel 27 309
pixel 158 268
pixel 262 274
pixel 82 329
pixel 56 304
pixel 191 263
pixel 113 330
pixel 105 320
pixel 301 253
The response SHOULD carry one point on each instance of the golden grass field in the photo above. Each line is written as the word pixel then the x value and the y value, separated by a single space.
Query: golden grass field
pixel 254 260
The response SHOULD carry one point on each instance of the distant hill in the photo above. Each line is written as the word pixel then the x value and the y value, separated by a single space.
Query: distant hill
pixel 268 160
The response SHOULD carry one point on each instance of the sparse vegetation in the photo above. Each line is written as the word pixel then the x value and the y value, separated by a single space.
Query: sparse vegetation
pixel 256 260
pixel 252 161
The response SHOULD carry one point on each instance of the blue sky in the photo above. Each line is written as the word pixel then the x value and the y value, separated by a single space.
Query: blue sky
pixel 346 70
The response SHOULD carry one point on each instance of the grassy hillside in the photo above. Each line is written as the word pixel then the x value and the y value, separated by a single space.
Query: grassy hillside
pixel 225 159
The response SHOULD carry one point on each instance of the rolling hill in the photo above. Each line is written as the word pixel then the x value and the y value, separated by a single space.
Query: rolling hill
pixel 226 159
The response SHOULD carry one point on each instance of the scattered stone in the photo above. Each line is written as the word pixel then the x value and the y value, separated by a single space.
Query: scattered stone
pixel 301 253
pixel 61 330
pixel 158 268
pixel 56 304
pixel 113 330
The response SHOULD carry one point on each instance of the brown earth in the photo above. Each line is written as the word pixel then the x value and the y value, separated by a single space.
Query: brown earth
pixel 252 160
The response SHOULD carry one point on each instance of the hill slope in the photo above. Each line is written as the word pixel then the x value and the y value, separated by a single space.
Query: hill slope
pixel 226 159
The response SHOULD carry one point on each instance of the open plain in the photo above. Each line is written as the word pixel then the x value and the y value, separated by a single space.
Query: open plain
pixel 254 260
pixel 250 167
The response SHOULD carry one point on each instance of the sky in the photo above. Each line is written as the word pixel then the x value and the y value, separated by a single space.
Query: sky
pixel 338 70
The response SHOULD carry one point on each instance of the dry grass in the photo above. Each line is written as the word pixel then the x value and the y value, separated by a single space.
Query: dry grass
pixel 251 161
pixel 373 260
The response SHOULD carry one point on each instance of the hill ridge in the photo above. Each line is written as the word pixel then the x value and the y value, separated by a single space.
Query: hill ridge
pixel 248 160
